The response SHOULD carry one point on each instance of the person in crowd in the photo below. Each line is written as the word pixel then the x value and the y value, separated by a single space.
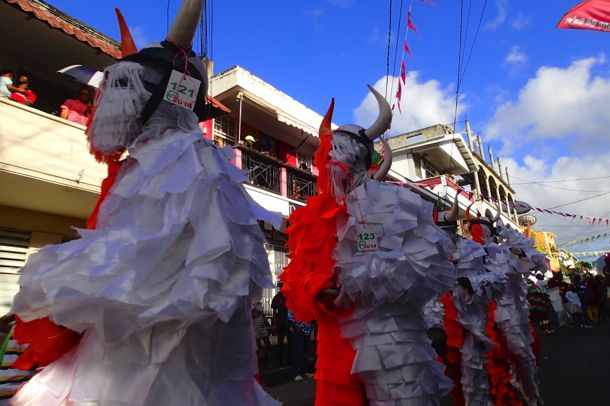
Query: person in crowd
pixel 77 110
pixel 22 92
pixel 261 330
pixel 281 327
pixel 556 289
pixel 591 299
pixel 249 141
pixel 301 338
pixel 6 83
pixel 539 302
pixel 602 297
pixel 574 307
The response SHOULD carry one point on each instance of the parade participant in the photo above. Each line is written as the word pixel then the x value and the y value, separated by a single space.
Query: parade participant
pixel 483 232
pixel 512 314
pixel 162 288
pixel 465 315
pixel 388 259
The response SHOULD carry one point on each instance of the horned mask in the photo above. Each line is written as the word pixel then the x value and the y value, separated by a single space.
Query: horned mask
pixel 345 154
pixel 134 87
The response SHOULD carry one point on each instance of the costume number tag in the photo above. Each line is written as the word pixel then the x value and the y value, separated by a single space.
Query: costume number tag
pixel 182 90
pixel 366 238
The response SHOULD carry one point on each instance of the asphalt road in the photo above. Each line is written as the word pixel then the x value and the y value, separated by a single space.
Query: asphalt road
pixel 574 371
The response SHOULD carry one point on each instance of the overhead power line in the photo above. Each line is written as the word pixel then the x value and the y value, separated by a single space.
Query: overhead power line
pixel 527 182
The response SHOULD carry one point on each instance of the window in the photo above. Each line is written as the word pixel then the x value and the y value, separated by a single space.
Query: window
pixel 224 129
pixel 14 247
pixel 303 162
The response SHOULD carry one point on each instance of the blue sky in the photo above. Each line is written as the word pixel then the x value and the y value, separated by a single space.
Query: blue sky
pixel 538 94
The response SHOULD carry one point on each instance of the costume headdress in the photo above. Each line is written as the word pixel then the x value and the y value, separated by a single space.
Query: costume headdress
pixel 364 136
pixel 134 87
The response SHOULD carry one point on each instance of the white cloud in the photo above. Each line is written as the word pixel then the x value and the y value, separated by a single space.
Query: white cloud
pixel 341 3
pixel 423 104
pixel 520 21
pixel 502 6
pixel 139 36
pixel 516 56
pixel 548 195
pixel 554 104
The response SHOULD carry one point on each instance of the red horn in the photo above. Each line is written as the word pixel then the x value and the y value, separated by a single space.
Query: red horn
pixel 327 120
pixel 128 45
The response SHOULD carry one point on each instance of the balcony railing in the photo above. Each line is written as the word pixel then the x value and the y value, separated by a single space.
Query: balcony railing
pixel 262 170
pixel 301 184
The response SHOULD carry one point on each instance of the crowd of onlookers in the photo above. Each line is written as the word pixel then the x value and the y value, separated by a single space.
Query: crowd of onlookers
pixel 294 339
pixel 580 301
pixel 16 87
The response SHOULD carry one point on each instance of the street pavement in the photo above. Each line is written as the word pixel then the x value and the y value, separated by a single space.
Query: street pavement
pixel 574 371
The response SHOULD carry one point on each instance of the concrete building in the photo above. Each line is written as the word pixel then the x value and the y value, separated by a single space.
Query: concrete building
pixel 450 164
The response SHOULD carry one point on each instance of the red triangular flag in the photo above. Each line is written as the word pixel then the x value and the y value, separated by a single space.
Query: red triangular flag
pixel 410 23
pixel 399 91
pixel 403 71
pixel 431 3
pixel 407 50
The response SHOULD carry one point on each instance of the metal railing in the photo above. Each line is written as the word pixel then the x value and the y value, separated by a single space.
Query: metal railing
pixel 301 184
pixel 262 171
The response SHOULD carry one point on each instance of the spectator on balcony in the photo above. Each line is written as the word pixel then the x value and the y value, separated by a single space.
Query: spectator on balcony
pixel 303 166
pixel 249 141
pixel 6 83
pixel 77 110
pixel 22 93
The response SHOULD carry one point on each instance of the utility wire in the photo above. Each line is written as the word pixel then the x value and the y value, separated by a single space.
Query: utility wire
pixel 528 182
pixel 577 201
pixel 396 48
pixel 474 41
pixel 459 65
pixel 387 61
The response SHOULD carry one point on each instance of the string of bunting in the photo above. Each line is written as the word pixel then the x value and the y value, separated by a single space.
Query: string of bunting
pixel 407 50
pixel 590 220
pixel 588 253
pixel 585 239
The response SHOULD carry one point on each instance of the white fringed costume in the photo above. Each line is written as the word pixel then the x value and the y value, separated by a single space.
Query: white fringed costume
pixel 387 288
pixel 162 288
pixel 487 285
pixel 512 313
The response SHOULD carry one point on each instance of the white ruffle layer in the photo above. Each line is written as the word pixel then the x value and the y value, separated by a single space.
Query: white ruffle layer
pixel 512 312
pixel 170 272
pixel 388 287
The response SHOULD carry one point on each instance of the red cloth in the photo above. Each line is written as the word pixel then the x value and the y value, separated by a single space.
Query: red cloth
pixel 46 340
pixel 455 340
pixel 502 391
pixel 22 97
pixel 312 237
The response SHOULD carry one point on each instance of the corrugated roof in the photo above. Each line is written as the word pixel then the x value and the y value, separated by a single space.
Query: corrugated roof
pixel 71 26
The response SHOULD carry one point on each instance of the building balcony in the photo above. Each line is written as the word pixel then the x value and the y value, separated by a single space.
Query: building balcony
pixel 262 170
pixel 301 184
pixel 45 163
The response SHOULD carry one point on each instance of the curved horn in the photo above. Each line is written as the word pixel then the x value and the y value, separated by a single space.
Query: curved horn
pixel 455 209
pixel 497 216
pixel 327 120
pixel 183 28
pixel 468 216
pixel 128 45
pixel 383 170
pixel 383 120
